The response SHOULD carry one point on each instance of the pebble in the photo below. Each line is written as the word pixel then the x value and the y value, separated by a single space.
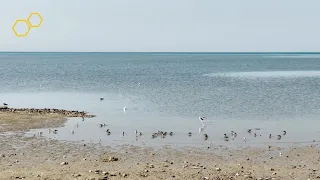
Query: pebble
pixel 63 163
pixel 151 166
pixel 218 169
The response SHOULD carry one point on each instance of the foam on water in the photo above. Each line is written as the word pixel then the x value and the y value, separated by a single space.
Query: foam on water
pixel 267 74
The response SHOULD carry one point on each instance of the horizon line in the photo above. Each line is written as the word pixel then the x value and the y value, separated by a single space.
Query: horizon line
pixel 213 52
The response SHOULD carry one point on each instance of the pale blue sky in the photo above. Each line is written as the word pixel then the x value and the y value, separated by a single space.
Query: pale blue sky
pixel 164 25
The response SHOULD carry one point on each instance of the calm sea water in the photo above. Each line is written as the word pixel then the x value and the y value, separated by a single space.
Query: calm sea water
pixel 169 91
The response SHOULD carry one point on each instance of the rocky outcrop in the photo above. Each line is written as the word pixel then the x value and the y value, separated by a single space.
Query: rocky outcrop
pixel 63 112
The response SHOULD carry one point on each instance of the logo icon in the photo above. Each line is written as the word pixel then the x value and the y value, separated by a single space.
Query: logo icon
pixel 27 23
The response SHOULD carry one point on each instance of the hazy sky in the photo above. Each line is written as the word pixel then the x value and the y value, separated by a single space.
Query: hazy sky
pixel 164 25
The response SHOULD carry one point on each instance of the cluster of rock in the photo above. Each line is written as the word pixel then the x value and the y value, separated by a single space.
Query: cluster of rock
pixel 47 111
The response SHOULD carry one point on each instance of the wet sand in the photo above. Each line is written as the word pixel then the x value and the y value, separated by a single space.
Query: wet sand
pixel 41 158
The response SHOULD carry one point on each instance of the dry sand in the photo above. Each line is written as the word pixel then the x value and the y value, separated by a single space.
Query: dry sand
pixel 40 158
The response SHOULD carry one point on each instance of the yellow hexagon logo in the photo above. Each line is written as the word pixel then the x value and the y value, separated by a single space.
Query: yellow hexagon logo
pixel 32 15
pixel 21 22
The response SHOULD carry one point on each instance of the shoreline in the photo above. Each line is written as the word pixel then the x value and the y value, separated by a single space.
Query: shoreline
pixel 43 158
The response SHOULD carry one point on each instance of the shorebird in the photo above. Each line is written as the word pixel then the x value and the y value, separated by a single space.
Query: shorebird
pixel 225 136
pixel 206 136
pixel 103 125
pixel 201 119
pixel 154 135
pixel 122 133
pixel 245 139
pixel 5 104
pixel 249 130
pixel 72 132
pixel 255 134
pixel 171 133
pixel 77 125
pixel 125 108
pixel 189 133
pixel 270 136
pixel 284 132
pixel 102 98
pixel 279 137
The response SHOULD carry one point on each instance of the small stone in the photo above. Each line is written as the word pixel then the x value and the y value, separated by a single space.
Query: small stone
pixel 90 171
pixel 272 169
pixel 97 171
pixel 151 166
pixel 63 163
pixel 2 155
pixel 218 169
pixel 274 173
pixel 237 174
pixel 76 175
pixel 84 159
pixel 146 170
pixel 104 173
pixel 64 156
pixel 125 175
pixel 113 174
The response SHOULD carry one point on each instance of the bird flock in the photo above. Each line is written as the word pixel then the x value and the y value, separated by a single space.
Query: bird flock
pixel 162 134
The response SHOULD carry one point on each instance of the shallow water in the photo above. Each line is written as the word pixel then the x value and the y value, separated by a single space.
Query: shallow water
pixel 110 111
pixel 168 92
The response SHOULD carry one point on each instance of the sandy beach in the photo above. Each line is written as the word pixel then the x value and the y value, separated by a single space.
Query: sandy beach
pixel 40 158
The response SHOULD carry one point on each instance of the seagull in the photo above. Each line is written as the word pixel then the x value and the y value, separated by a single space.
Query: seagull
pixel 284 132
pixel 102 98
